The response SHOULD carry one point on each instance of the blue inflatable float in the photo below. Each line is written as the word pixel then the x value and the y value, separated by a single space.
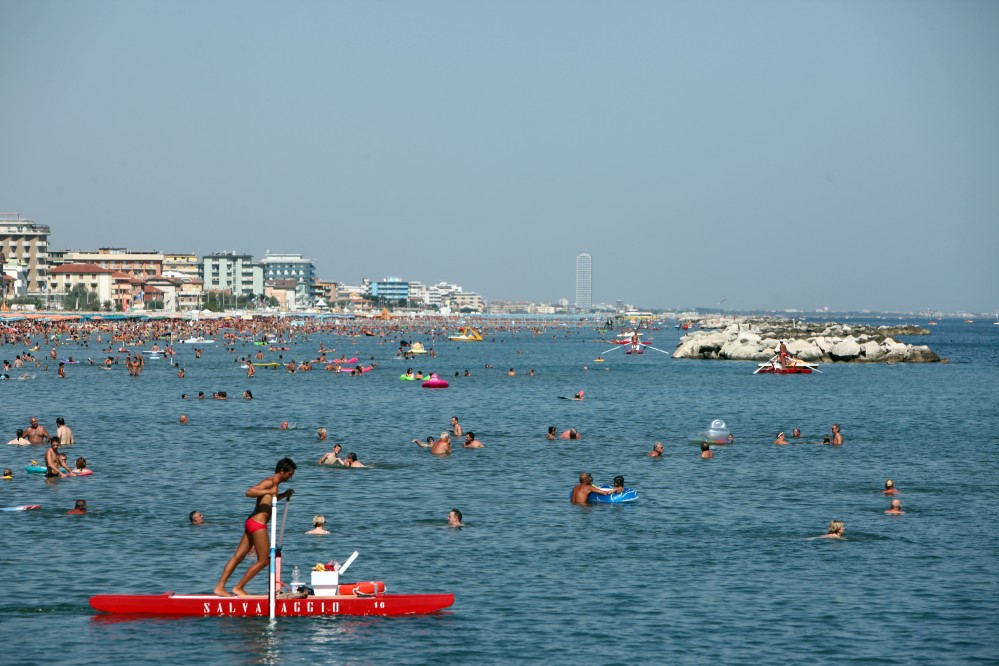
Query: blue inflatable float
pixel 629 495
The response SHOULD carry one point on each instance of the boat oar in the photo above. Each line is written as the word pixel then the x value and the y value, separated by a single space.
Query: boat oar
pixel 610 350
pixel 658 350
pixel 272 567
pixel 280 540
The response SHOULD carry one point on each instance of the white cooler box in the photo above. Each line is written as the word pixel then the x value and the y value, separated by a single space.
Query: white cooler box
pixel 325 583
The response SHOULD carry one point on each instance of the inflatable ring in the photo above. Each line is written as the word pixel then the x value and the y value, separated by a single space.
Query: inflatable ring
pixel 629 495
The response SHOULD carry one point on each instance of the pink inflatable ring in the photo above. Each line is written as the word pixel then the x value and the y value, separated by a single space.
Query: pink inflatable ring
pixel 435 382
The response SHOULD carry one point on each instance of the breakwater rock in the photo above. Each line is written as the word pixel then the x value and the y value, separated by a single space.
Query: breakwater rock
pixel 759 339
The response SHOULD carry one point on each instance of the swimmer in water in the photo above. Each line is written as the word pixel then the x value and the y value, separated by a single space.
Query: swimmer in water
pixel 571 433
pixel 318 525
pixel 8 473
pixel 472 443
pixel 795 433
pixel 332 457
pixel 837 436
pixel 579 396
pixel 551 433
pixel 196 517
pixel 454 518
pixel 706 451
pixel 890 488
pixel 657 450
pixel 895 509
pixel 618 485
pixel 581 491
pixel 321 433
pixel 81 467
pixel 780 438
pixel 352 461
pixel 835 530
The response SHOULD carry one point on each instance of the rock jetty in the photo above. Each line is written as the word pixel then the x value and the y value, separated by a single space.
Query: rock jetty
pixel 757 339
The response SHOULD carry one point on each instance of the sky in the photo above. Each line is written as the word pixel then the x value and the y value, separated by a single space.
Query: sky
pixel 747 155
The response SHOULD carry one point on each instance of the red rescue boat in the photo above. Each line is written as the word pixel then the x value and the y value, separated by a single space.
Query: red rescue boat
pixel 325 596
pixel 768 369
pixel 209 605
pixel 789 366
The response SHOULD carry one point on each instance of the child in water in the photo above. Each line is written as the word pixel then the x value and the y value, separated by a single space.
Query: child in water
pixel 81 467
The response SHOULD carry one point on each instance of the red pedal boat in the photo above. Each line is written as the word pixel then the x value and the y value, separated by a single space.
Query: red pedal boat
pixel 209 605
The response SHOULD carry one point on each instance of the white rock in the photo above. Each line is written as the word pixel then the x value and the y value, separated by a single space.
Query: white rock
pixel 847 349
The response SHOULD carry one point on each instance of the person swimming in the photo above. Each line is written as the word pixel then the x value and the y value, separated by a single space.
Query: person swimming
pixel 318 525
pixel 835 530
pixel 890 488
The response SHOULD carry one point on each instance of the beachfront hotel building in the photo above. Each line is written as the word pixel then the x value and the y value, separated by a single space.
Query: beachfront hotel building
pixel 467 300
pixel 584 265
pixel 285 266
pixel 235 273
pixel 24 244
pixel 425 295
pixel 140 265
pixel 108 284
pixel 181 265
pixel 390 289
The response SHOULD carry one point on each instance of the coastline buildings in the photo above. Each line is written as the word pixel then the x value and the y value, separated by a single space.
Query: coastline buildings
pixel 390 290
pixel 583 282
pixel 120 279
pixel 181 265
pixel 287 266
pixel 235 273
pixel 24 248
pixel 136 264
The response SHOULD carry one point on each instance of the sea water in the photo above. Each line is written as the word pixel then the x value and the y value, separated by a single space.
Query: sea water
pixel 715 563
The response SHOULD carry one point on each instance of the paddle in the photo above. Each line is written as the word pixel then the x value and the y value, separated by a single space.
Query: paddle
pixel 280 542
pixel 272 567
pixel 656 349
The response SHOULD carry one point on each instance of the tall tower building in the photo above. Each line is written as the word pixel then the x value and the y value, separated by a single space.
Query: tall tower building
pixel 583 275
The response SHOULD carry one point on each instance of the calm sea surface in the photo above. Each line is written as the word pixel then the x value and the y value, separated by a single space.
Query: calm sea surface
pixel 713 564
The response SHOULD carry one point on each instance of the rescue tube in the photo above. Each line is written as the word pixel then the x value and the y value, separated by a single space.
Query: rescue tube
pixel 629 495
pixel 435 382
pixel 369 588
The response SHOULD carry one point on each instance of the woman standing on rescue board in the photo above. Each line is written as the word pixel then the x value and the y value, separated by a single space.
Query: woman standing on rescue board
pixel 255 529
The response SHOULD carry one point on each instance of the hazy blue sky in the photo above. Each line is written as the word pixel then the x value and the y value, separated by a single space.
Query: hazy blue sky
pixel 772 154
